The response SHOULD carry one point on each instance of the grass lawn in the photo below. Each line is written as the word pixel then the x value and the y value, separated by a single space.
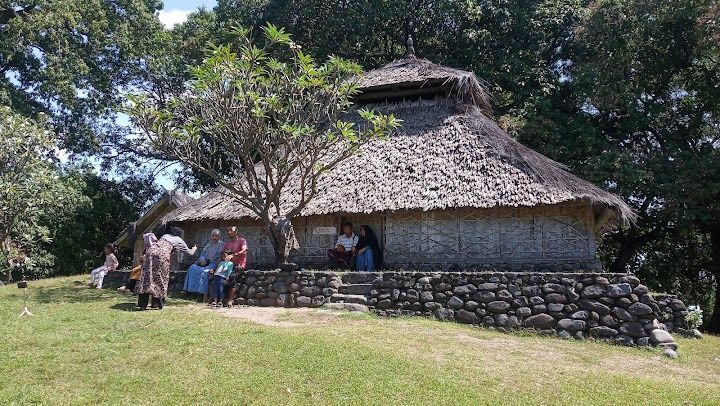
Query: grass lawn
pixel 84 347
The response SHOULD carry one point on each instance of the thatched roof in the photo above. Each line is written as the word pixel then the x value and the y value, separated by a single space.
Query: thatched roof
pixel 169 201
pixel 447 154
pixel 413 75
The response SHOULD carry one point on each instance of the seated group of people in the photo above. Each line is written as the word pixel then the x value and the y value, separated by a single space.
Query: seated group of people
pixel 220 262
pixel 217 267
pixel 356 252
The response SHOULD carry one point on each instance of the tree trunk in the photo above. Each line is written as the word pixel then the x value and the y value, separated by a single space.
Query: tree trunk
pixel 5 249
pixel 713 325
pixel 630 244
pixel 627 251
pixel 282 236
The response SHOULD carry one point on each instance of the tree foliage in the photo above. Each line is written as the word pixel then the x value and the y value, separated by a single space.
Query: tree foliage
pixel 71 59
pixel 31 186
pixel 79 235
pixel 258 119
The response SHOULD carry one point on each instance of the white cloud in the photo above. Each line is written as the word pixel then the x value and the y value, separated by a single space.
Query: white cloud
pixel 174 16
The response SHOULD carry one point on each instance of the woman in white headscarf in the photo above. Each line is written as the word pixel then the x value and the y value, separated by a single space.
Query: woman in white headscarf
pixel 196 279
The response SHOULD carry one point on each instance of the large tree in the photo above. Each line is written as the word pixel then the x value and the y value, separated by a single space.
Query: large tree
pixel 72 60
pixel 31 186
pixel 638 112
pixel 259 120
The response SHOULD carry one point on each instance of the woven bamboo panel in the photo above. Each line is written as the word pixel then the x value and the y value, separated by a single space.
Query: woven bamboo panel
pixel 488 235
pixel 313 247
pixel 470 236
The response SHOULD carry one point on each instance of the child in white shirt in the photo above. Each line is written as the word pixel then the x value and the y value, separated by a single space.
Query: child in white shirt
pixel 111 263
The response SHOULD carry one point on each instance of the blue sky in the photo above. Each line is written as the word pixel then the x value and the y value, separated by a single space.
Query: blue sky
pixel 176 11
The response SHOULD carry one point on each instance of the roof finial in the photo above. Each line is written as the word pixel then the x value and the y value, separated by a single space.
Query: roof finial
pixel 410 49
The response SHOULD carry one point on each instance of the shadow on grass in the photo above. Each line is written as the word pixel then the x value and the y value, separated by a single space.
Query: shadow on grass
pixel 126 307
pixel 70 292
pixel 76 291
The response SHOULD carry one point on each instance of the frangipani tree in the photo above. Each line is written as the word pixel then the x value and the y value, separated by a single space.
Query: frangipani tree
pixel 256 118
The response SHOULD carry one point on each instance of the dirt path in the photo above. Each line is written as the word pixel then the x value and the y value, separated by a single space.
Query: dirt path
pixel 281 317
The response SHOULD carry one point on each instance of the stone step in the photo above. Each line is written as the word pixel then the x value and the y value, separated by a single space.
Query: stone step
pixel 360 277
pixel 343 298
pixel 357 289
pixel 352 307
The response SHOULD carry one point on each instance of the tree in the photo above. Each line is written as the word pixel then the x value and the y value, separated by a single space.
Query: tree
pixel 638 112
pixel 72 60
pixel 260 119
pixel 30 186
pixel 79 235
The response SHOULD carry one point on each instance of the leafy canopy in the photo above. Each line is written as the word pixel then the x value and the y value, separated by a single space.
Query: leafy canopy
pixel 259 118
pixel 31 187
pixel 72 60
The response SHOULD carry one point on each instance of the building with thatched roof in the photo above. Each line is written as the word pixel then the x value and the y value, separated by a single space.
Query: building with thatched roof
pixel 448 187
pixel 131 237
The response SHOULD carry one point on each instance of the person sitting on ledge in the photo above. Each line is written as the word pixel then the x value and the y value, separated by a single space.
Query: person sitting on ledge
pixel 129 287
pixel 344 252
pixel 196 279
pixel 368 254
pixel 97 275
pixel 218 279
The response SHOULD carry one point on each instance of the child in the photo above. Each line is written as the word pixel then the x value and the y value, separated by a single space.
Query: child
pixel 129 287
pixel 222 272
pixel 111 263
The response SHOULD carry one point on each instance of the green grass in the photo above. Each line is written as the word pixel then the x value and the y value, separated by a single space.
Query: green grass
pixel 84 347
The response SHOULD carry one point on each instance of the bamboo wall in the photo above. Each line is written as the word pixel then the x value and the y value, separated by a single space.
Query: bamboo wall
pixel 542 234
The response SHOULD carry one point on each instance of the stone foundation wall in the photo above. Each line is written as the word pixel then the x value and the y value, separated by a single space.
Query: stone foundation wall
pixel 615 307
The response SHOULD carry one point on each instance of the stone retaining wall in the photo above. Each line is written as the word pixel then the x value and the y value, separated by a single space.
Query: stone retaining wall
pixel 616 307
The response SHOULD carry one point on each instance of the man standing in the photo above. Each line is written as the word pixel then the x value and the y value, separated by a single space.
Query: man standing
pixel 238 247
pixel 344 252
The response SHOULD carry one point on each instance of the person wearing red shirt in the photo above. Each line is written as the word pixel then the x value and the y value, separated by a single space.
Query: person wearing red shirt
pixel 238 247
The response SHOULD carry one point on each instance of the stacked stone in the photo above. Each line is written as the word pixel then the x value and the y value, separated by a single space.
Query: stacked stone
pixel 672 311
pixel 590 266
pixel 286 288
pixel 612 307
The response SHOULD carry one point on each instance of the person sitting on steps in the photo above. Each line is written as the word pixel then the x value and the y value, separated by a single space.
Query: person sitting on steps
pixel 343 254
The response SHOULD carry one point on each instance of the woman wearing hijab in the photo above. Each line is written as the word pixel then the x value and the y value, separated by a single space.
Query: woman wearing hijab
pixel 196 279
pixel 155 273
pixel 368 254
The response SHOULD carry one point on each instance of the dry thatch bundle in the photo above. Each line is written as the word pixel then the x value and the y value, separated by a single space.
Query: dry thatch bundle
pixel 416 76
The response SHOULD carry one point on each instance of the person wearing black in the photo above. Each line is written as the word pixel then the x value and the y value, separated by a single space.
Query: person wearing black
pixel 368 254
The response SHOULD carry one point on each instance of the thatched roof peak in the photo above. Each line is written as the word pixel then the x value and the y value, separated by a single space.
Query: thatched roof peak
pixel 412 76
